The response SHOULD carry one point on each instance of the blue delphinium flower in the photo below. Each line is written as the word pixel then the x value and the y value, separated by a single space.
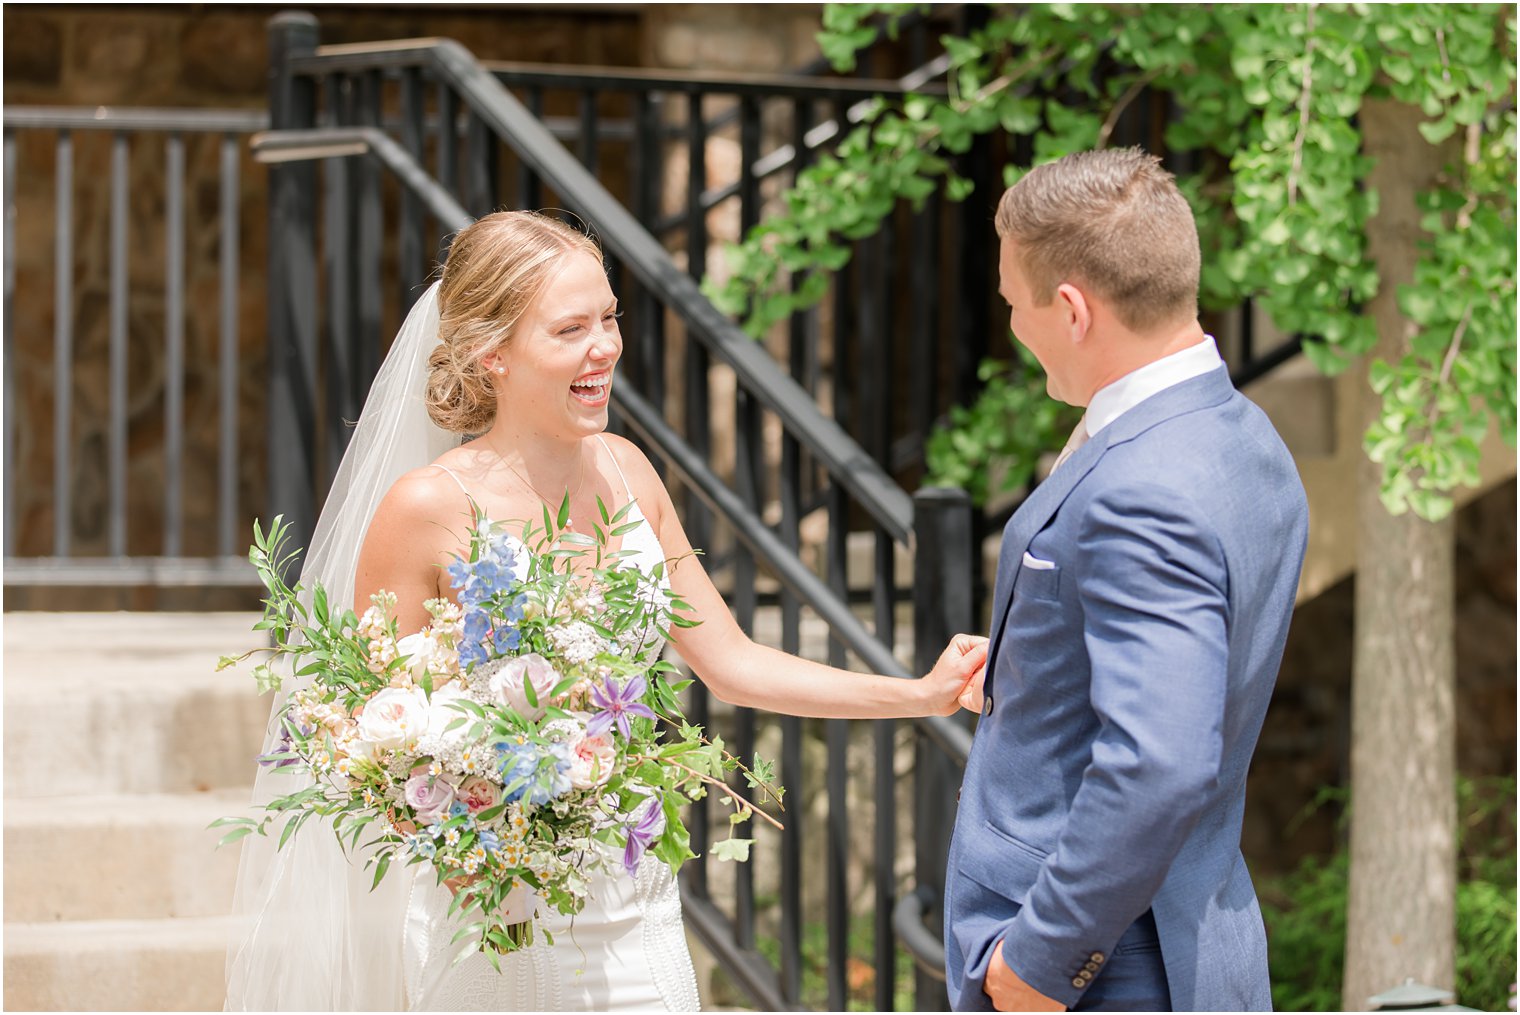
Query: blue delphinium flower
pixel 421 845
pixel 506 635
pixel 458 810
pixel 559 778
pixel 490 576
pixel 545 771
pixel 518 762
pixel 488 840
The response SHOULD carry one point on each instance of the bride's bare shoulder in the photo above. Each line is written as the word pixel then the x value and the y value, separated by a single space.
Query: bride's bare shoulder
pixel 429 493
pixel 643 481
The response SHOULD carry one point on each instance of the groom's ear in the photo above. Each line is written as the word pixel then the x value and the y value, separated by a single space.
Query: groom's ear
pixel 1075 310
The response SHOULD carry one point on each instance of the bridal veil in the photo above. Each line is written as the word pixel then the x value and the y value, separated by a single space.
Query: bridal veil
pixel 309 934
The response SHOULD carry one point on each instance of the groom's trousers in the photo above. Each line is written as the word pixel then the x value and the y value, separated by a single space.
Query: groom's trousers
pixel 1133 978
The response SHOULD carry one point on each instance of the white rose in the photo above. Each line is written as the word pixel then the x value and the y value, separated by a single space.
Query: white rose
pixel 393 717
pixel 422 651
pixel 508 681
pixel 441 712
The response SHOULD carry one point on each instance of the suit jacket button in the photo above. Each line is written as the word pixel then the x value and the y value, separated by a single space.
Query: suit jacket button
pixel 1079 983
pixel 987 707
pixel 1097 957
pixel 1090 967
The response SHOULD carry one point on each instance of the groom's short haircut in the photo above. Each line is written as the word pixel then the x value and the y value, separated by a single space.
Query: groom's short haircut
pixel 1111 222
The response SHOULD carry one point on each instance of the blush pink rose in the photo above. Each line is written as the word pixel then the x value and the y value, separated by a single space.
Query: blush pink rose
pixel 591 761
pixel 479 794
pixel 507 684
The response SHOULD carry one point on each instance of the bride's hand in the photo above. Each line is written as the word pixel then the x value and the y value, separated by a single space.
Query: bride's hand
pixel 957 674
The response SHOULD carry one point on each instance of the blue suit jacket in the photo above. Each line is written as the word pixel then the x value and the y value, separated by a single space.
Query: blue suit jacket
pixel 1126 688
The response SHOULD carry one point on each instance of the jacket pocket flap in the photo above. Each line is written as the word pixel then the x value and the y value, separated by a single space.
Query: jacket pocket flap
pixel 1001 863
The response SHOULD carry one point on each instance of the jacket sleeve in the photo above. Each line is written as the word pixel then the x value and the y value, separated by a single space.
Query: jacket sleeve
pixel 1153 588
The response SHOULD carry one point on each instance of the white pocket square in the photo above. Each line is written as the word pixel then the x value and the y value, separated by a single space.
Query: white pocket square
pixel 1036 564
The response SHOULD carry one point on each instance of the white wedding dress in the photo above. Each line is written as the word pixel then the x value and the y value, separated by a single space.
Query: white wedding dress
pixel 311 933
pixel 625 951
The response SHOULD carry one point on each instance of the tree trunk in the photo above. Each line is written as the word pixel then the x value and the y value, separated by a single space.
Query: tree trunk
pixel 1401 919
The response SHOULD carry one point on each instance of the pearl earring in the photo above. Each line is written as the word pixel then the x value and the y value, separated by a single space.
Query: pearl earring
pixel 501 370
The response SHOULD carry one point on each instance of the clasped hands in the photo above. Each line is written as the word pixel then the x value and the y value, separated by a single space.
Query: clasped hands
pixel 956 679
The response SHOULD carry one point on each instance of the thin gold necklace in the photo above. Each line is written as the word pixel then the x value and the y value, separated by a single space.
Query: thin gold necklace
pixel 553 508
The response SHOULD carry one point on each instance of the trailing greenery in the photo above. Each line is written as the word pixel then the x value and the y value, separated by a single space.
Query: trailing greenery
pixel 979 433
pixel 1269 96
pixel 1305 910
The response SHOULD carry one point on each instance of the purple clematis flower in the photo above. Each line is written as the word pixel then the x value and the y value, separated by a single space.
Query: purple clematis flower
pixel 647 827
pixel 617 704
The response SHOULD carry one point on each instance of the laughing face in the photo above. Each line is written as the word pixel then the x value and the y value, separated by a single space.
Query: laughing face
pixel 559 363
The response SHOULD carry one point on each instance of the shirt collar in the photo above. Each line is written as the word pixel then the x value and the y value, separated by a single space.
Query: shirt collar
pixel 1114 400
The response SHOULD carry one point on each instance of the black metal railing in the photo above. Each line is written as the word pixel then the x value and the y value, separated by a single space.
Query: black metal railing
pixel 328 102
pixel 75 511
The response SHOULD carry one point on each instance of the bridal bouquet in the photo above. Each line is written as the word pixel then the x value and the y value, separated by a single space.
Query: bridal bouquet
pixel 528 737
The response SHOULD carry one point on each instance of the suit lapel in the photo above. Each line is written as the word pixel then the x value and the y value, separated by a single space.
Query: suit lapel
pixel 1199 392
pixel 1029 519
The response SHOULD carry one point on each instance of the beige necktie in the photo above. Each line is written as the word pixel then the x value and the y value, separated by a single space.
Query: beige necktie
pixel 1076 440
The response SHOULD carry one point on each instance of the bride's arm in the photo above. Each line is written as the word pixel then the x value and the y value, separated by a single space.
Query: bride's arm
pixel 407 545
pixel 741 672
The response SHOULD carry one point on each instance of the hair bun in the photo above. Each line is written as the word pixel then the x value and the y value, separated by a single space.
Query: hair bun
pixel 459 395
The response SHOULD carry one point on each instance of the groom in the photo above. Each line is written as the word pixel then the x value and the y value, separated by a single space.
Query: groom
pixel 1142 601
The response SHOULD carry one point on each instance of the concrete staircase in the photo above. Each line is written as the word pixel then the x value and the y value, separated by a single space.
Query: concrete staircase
pixel 122 744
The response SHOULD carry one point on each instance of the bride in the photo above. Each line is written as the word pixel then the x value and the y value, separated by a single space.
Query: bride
pixel 517 344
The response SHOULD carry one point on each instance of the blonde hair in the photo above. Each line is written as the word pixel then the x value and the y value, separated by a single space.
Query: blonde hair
pixel 496 268
pixel 1114 223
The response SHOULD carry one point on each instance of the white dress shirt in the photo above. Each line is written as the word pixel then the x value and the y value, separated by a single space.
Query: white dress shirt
pixel 1113 401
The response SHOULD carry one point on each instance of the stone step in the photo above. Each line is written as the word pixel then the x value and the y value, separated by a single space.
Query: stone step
pixel 147 857
pixel 99 704
pixel 117 965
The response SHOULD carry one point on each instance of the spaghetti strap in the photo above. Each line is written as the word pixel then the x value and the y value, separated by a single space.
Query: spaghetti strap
pixel 456 479
pixel 626 488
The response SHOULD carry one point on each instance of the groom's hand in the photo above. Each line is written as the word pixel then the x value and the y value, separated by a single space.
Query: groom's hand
pixel 1010 993
pixel 959 667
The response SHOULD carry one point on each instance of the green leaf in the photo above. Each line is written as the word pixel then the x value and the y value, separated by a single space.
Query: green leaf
pixel 736 850
pixel 1436 131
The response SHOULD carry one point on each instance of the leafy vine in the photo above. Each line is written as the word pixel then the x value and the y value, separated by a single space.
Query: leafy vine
pixel 1268 99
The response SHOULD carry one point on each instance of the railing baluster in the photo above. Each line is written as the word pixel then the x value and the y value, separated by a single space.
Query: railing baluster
pixel 923 333
pixel 63 341
pixel 944 554
pixel 838 730
pixel 174 346
pixel 791 845
pixel 588 149
pixel 480 170
pixel 411 267
pixel 696 407
pixel 800 328
pixel 369 242
pixel 338 272
pixel 292 287
pixel 9 452
pixel 448 138
pixel 530 189
pixel 116 434
pixel 227 456
pixel 648 173
pixel 749 466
